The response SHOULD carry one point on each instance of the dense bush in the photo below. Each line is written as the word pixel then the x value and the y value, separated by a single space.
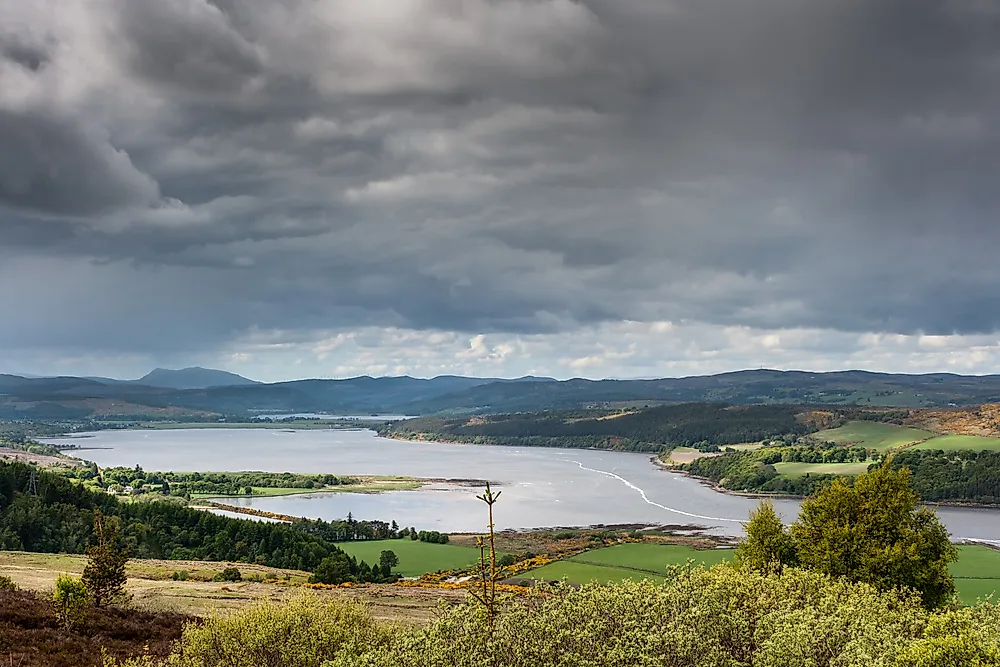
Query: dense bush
pixel 229 574
pixel 724 617
pixel 432 536
pixel 303 632
pixel 70 597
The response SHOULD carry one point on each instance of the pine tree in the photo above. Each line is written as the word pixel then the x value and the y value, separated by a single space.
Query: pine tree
pixel 104 574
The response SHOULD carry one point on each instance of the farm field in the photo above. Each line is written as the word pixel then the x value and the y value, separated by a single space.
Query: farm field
pixel 627 561
pixel 951 443
pixel 415 557
pixel 797 468
pixel 583 573
pixel 976 573
pixel 873 435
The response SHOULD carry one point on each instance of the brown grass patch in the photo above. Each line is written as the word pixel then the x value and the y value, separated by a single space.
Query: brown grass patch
pixel 982 421
pixel 32 637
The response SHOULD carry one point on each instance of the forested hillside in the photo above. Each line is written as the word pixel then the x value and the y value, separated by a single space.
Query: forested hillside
pixel 57 516
pixel 701 425
pixel 79 398
pixel 953 476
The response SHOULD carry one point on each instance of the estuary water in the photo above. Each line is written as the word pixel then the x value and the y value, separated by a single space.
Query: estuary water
pixel 541 487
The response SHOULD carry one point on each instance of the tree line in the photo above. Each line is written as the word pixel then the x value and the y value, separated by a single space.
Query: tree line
pixel 56 515
pixel 938 476
pixel 701 425
pixel 959 476
pixel 225 483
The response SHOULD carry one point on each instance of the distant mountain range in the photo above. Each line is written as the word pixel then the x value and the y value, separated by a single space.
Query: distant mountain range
pixel 193 391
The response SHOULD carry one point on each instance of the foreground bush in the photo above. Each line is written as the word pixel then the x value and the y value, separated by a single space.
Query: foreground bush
pixel 32 636
pixel 303 632
pixel 722 617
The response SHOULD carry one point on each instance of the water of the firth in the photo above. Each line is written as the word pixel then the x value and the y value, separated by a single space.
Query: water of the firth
pixel 542 487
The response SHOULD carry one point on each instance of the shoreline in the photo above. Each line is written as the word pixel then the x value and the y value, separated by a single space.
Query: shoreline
pixel 956 504
pixel 653 459
pixel 405 484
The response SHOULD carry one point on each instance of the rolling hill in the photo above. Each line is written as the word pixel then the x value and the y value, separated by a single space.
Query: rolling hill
pixel 208 391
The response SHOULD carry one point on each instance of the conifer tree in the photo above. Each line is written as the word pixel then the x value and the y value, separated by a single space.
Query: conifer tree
pixel 104 574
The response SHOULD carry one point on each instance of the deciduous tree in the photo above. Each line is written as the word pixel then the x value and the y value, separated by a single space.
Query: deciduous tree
pixel 768 546
pixel 872 531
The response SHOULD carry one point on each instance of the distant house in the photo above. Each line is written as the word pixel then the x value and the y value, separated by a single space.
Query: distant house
pixel 128 489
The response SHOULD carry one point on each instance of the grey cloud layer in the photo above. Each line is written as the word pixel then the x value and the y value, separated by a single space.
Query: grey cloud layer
pixel 497 165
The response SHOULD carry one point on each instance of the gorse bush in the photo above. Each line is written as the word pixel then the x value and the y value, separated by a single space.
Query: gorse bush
pixel 70 597
pixel 306 631
pixel 723 617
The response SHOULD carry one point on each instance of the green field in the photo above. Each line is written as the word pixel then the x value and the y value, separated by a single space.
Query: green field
pixel 976 573
pixel 415 557
pixel 796 468
pixel 627 561
pixel 873 435
pixel 951 443
pixel 582 573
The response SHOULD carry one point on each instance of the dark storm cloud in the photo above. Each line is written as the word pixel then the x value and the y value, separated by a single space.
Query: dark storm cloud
pixel 25 54
pixel 514 165
pixel 187 43
pixel 51 166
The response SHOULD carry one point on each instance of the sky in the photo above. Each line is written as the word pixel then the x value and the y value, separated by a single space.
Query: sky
pixel 569 188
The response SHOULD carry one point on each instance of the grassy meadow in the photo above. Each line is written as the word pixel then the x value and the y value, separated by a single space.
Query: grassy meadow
pixel 873 435
pixel 976 573
pixel 952 443
pixel 415 557
pixel 153 589
pixel 798 468
pixel 634 561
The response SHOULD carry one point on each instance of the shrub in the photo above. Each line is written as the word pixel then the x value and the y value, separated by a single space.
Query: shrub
pixel 7 584
pixel 180 575
pixel 305 631
pixel 334 569
pixel 229 574
pixel 698 618
pixel 723 616
pixel 71 599
pixel 768 545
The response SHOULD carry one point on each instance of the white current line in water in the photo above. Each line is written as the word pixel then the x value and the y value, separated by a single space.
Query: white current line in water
pixel 646 498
